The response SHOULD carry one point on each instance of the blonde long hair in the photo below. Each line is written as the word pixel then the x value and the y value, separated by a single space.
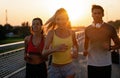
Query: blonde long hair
pixel 51 21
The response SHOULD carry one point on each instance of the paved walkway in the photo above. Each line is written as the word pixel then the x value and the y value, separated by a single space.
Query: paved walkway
pixel 81 65
pixel 81 71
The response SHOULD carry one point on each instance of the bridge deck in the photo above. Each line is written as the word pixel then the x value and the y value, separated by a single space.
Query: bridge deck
pixel 81 71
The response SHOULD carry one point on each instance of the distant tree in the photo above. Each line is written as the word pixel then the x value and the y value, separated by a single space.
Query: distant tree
pixel 17 30
pixel 25 24
pixel 115 24
pixel 2 32
pixel 8 28
pixel 22 30
pixel 25 29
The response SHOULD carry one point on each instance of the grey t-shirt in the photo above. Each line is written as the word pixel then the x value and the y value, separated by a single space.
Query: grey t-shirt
pixel 98 38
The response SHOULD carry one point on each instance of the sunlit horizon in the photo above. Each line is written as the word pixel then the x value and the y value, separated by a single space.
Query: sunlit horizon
pixel 79 11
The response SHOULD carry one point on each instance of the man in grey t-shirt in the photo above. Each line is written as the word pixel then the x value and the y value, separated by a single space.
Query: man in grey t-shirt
pixel 97 45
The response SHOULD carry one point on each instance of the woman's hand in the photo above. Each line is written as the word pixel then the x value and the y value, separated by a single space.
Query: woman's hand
pixel 61 48
pixel 74 53
pixel 26 57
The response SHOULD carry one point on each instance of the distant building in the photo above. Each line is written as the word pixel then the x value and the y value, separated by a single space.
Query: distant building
pixel 10 34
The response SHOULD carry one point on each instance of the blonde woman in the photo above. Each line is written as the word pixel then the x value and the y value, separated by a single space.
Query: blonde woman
pixel 62 39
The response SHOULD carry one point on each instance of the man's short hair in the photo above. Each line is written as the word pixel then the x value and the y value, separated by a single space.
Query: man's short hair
pixel 97 7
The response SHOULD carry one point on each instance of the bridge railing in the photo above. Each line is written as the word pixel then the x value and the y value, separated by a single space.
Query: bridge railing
pixel 10 46
pixel 80 35
pixel 11 61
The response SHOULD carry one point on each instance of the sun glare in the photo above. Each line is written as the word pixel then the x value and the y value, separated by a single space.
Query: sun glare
pixel 77 9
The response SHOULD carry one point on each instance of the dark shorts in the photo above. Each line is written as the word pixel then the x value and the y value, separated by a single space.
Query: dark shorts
pixel 36 71
pixel 99 72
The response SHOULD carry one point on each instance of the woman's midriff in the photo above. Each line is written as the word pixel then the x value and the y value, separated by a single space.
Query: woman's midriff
pixel 35 58
pixel 59 65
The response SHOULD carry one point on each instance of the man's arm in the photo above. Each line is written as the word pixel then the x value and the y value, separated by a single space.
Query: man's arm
pixel 115 39
pixel 86 43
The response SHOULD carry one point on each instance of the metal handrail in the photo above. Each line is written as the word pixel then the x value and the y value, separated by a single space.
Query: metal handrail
pixel 11 61
pixel 9 46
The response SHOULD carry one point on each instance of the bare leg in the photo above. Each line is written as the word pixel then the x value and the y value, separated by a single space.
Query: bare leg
pixel 71 76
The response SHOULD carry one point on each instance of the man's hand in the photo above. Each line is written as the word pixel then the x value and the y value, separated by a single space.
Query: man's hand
pixel 85 53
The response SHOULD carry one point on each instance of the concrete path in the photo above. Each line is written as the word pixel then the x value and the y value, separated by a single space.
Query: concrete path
pixel 81 71
pixel 81 65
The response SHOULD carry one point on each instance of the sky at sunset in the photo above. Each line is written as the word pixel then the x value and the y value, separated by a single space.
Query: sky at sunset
pixel 79 11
